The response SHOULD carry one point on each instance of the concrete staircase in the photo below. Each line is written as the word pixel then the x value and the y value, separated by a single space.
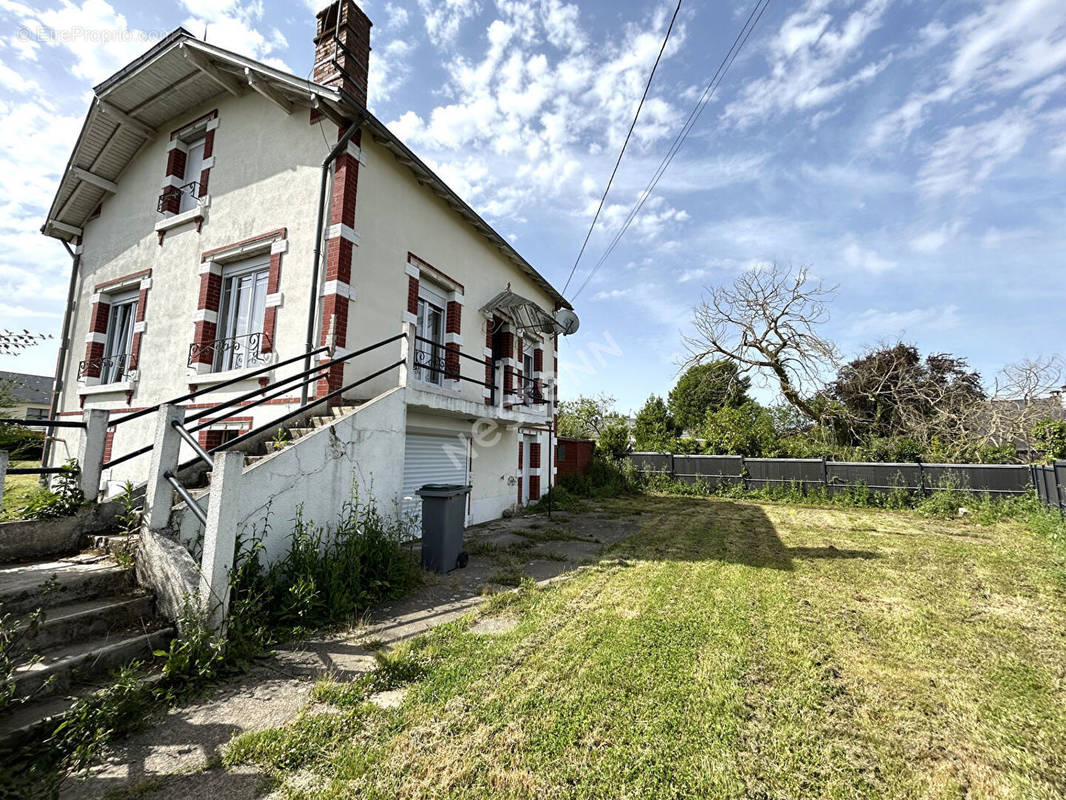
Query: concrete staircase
pixel 95 619
pixel 264 448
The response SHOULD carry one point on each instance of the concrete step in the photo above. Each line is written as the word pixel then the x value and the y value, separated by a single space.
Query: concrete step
pixel 113 542
pixel 319 422
pixel 91 619
pixel 59 669
pixel 298 433
pixel 45 713
pixel 50 584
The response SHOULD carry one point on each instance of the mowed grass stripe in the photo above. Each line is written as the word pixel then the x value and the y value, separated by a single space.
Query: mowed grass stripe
pixel 731 650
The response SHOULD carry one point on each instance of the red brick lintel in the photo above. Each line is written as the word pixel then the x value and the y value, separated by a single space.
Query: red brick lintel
pixel 422 264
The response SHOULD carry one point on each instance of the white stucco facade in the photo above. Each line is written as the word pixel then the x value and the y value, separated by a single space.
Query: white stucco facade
pixel 410 239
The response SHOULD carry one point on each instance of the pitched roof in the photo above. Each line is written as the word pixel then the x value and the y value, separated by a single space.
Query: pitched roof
pixel 33 389
pixel 179 73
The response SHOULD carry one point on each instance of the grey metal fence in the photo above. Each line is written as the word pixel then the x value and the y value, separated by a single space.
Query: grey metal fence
pixel 1001 480
pixel 1050 483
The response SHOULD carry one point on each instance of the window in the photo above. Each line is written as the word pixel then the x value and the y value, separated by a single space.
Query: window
pixel 242 312
pixel 194 164
pixel 429 349
pixel 560 451
pixel 36 413
pixel 119 341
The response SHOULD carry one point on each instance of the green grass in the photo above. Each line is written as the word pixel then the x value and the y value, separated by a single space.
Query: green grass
pixel 18 489
pixel 727 650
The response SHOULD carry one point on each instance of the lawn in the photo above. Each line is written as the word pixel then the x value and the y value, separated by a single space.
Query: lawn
pixel 727 649
pixel 18 489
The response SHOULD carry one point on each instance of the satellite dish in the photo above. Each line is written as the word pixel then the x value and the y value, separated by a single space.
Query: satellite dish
pixel 567 321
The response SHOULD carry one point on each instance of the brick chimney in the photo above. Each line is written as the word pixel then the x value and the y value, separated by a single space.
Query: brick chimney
pixel 342 48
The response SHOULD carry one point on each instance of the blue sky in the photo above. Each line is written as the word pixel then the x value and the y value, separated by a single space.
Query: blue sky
pixel 911 153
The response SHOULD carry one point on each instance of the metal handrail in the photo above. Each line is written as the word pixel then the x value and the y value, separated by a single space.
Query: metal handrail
pixel 318 368
pixel 217 386
pixel 43 423
pixel 191 440
pixel 296 412
pixel 289 383
pixel 183 493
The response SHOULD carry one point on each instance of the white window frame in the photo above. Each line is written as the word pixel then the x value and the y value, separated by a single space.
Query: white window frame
pixel 227 326
pixel 429 295
pixel 112 347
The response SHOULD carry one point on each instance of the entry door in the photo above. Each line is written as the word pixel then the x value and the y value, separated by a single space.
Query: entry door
pixel 430 458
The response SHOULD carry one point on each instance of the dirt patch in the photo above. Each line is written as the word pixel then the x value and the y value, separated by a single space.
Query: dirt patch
pixel 393 698
pixel 494 626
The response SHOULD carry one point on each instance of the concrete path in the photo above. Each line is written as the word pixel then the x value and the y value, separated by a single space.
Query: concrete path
pixel 177 754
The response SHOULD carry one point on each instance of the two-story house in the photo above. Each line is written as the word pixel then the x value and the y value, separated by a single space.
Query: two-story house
pixel 225 217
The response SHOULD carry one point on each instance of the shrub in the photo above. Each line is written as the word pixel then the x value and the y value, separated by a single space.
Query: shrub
pixel 329 575
pixel 21 442
pixel 65 498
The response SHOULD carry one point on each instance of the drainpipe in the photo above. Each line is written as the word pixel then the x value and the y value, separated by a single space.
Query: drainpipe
pixel 61 357
pixel 312 305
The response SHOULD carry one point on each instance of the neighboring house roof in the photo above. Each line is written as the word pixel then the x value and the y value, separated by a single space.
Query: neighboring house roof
pixel 181 72
pixel 29 389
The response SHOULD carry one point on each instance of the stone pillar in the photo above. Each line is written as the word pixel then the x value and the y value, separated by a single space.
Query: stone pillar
pixel 91 457
pixel 159 494
pixel 220 536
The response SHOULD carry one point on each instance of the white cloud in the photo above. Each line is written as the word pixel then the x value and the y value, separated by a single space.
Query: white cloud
pixel 1000 48
pixel 966 155
pixel 865 259
pixel 390 67
pixel 811 62
pixel 444 17
pixel 933 240
pixel 876 323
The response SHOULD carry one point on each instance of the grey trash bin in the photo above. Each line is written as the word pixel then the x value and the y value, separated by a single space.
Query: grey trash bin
pixel 443 517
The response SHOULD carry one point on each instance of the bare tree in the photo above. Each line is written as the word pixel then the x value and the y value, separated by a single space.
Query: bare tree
pixel 1021 394
pixel 12 342
pixel 767 321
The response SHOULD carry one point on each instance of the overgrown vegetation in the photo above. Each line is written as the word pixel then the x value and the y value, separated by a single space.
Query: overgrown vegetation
pixel 328 578
pixel 63 500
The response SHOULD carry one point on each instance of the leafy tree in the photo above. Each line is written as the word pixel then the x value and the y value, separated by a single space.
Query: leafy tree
pixel 585 417
pixel 707 387
pixel 614 437
pixel 654 427
pixel 1049 436
pixel 892 391
pixel 746 430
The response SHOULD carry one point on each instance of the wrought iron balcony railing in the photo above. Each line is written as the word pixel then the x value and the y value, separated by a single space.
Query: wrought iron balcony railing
pixel 434 360
pixel 530 390
pixel 236 352
pixel 109 369
pixel 170 199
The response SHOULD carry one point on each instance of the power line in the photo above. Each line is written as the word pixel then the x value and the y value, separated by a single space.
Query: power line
pixel 621 152
pixel 719 75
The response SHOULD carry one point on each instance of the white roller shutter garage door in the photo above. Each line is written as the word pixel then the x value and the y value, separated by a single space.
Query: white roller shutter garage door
pixel 430 459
